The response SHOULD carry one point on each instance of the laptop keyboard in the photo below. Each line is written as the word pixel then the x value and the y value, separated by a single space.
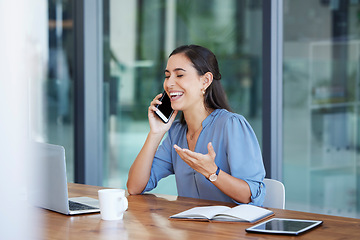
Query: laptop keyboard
pixel 75 206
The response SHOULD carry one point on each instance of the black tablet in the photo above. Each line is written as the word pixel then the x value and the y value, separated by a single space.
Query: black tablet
pixel 284 226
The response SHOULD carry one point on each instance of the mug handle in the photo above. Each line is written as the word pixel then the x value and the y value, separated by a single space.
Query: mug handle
pixel 123 205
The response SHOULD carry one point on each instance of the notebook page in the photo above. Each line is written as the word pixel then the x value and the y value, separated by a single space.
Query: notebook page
pixel 247 212
pixel 197 212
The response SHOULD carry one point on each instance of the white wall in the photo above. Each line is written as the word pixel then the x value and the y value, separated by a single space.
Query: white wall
pixel 23 29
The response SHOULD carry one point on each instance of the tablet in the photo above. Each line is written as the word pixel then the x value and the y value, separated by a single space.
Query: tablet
pixel 284 226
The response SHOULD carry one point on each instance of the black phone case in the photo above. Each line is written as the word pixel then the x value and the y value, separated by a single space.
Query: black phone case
pixel 163 111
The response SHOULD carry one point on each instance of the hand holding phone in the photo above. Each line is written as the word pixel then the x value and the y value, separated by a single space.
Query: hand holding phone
pixel 164 111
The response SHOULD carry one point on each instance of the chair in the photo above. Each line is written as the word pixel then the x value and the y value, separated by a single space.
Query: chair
pixel 275 194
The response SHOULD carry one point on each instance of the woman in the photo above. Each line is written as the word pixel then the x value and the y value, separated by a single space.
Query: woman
pixel 213 153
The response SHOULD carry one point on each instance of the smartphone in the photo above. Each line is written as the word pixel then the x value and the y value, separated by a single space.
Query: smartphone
pixel 164 111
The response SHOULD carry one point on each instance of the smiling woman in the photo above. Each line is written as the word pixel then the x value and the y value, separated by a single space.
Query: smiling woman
pixel 208 149
pixel 201 64
pixel 138 38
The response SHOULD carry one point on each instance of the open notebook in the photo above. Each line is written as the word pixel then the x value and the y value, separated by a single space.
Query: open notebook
pixel 48 183
pixel 240 213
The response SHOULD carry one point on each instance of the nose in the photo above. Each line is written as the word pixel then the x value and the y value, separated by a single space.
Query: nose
pixel 169 82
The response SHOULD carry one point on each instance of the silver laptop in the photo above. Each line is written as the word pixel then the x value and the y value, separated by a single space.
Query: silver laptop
pixel 48 183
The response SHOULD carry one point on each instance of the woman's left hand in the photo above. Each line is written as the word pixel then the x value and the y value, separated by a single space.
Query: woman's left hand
pixel 202 163
pixel 235 188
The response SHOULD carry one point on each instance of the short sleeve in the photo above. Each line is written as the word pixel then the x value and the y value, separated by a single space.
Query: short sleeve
pixel 244 156
pixel 162 164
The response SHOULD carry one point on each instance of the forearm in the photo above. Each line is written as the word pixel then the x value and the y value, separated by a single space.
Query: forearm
pixel 139 173
pixel 235 188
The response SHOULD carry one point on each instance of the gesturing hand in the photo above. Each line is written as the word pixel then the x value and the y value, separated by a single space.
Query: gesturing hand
pixel 202 163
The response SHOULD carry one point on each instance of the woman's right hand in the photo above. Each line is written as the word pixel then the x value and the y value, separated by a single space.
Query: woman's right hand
pixel 156 125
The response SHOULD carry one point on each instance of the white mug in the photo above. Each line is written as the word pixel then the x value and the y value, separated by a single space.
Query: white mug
pixel 113 203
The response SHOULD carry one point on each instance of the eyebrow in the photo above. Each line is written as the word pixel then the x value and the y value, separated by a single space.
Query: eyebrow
pixel 176 69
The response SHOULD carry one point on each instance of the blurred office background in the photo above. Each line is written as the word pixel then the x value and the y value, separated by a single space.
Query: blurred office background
pixel 117 49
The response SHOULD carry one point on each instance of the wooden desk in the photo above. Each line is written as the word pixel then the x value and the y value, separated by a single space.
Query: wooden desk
pixel 147 218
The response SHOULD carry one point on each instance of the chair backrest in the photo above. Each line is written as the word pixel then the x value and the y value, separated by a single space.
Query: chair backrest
pixel 275 194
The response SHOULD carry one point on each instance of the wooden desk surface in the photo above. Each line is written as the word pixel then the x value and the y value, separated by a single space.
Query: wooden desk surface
pixel 147 218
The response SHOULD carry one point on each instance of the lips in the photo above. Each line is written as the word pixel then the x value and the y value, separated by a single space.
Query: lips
pixel 175 95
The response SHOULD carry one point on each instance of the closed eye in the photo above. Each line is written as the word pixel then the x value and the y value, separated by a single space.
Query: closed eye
pixel 180 76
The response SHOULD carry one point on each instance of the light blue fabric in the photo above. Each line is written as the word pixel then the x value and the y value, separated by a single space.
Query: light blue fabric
pixel 237 153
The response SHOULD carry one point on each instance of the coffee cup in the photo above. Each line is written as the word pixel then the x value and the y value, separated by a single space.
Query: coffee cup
pixel 113 203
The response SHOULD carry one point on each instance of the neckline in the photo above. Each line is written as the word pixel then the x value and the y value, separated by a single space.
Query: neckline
pixel 204 123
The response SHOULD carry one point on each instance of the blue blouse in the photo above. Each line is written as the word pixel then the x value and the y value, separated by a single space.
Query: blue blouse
pixel 237 153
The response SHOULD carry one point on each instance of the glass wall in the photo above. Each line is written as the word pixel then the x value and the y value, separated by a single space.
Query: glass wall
pixel 52 117
pixel 321 106
pixel 138 37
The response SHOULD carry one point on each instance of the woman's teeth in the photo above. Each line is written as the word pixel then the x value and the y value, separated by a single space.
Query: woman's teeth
pixel 175 94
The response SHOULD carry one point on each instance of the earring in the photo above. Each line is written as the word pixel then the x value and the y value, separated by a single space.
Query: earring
pixel 203 92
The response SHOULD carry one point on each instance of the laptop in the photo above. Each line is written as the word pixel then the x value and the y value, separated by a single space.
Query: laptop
pixel 48 183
